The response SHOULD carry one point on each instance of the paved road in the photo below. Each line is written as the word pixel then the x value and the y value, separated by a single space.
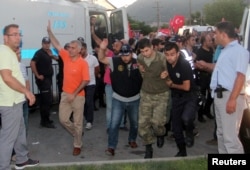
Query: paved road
pixel 55 145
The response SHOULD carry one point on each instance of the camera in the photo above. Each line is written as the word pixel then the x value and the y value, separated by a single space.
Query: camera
pixel 219 90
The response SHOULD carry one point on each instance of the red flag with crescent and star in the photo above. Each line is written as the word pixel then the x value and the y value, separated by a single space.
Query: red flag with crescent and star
pixel 177 22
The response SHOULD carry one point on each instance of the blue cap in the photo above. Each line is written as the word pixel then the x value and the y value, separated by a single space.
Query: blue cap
pixel 125 50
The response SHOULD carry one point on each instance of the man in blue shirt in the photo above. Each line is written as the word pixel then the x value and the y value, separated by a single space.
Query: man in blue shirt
pixel 227 82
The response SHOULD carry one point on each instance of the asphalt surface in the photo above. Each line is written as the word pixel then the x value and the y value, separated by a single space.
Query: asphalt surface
pixel 54 146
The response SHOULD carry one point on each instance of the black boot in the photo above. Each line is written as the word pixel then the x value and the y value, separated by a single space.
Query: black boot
pixel 182 150
pixel 149 152
pixel 160 141
pixel 189 138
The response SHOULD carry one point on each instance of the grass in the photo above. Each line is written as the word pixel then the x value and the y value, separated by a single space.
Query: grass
pixel 183 164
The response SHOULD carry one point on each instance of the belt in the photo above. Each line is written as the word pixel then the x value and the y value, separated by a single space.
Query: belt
pixel 220 89
pixel 223 89
pixel 182 94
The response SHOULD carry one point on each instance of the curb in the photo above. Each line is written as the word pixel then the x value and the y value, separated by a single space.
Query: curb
pixel 121 161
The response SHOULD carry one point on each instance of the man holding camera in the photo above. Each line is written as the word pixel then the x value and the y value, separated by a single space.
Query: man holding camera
pixel 227 81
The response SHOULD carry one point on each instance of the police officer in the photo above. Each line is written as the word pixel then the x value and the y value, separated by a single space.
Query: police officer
pixel 181 83
pixel 126 83
pixel 41 65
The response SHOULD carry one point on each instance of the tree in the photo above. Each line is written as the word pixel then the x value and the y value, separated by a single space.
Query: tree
pixel 137 25
pixel 196 19
pixel 230 10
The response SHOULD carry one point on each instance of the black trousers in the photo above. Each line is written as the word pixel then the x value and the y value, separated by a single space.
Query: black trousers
pixel 89 103
pixel 183 115
pixel 45 98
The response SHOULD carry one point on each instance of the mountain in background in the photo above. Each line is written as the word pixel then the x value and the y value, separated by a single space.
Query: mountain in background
pixel 146 10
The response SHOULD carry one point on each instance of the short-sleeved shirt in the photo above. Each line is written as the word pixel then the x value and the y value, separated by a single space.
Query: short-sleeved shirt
pixel 43 63
pixel 74 72
pixel 93 63
pixel 182 71
pixel 8 61
pixel 233 59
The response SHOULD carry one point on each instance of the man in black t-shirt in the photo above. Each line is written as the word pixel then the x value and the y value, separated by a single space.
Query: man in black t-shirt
pixel 181 83
pixel 41 65
pixel 203 77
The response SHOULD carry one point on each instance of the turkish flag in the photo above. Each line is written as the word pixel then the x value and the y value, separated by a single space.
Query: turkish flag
pixel 177 22
pixel 165 31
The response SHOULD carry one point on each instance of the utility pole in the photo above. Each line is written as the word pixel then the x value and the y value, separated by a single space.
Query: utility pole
pixel 158 14
pixel 190 12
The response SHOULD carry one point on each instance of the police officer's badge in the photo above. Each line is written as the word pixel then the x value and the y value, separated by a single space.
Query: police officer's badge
pixel 120 68
pixel 178 75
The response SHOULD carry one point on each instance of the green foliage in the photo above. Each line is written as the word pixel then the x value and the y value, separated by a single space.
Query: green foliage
pixel 182 164
pixel 137 25
pixel 230 10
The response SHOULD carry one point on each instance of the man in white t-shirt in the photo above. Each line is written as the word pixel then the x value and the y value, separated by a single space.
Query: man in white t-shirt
pixel 90 88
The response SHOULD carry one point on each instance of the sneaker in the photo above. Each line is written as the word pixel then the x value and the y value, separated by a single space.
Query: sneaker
pixel 88 126
pixel 28 163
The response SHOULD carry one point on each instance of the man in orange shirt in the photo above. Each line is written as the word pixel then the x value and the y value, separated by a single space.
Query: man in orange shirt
pixel 76 77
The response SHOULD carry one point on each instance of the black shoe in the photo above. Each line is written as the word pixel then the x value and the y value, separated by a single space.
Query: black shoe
pixel 160 141
pixel 48 125
pixel 95 108
pixel 181 154
pixel 209 116
pixel 124 128
pixel 182 150
pixel 102 105
pixel 148 152
pixel 201 119
pixel 189 141
pixel 50 121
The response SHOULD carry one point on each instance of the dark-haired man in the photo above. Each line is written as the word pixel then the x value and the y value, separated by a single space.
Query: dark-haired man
pixel 41 66
pixel 227 82
pixel 13 93
pixel 126 83
pixel 154 97
pixel 181 83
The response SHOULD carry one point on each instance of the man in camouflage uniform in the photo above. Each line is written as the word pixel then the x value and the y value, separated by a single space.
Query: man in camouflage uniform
pixel 154 97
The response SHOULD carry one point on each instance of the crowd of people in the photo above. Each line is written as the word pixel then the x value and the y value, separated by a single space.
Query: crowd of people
pixel 160 84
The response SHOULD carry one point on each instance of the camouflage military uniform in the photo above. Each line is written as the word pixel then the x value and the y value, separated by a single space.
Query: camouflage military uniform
pixel 154 97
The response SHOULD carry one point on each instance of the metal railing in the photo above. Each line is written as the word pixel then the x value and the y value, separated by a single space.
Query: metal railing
pixel 35 90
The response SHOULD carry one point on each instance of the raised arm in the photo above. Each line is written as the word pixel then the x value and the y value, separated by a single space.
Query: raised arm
pixel 52 37
pixel 95 37
pixel 101 53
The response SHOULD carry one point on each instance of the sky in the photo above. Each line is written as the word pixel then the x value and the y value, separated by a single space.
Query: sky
pixel 121 3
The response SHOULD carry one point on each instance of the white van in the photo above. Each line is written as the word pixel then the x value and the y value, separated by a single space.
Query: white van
pixel 69 19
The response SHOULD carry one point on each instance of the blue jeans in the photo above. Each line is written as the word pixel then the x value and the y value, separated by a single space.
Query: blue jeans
pixel 109 93
pixel 118 110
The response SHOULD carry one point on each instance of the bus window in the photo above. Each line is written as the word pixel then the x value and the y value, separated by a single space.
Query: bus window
pixel 117 25
pixel 99 24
